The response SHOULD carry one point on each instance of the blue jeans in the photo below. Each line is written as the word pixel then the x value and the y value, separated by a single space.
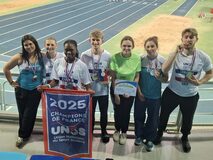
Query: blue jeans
pixel 146 125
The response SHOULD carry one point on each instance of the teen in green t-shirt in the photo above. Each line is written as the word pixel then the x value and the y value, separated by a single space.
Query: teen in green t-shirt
pixel 123 66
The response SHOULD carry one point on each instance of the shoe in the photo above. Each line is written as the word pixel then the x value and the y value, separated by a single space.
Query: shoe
pixel 149 146
pixel 186 145
pixel 116 136
pixel 158 139
pixel 105 137
pixel 122 139
pixel 138 141
pixel 19 142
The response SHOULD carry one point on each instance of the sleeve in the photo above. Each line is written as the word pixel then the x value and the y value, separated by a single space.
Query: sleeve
pixel 112 63
pixel 138 69
pixel 85 76
pixel 82 58
pixel 108 63
pixel 54 73
pixel 207 63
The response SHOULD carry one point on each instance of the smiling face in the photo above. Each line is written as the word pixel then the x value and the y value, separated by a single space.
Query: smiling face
pixel 50 45
pixel 70 51
pixel 151 49
pixel 188 40
pixel 96 42
pixel 126 47
pixel 29 46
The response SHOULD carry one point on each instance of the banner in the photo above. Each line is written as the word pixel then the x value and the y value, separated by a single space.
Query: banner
pixel 67 122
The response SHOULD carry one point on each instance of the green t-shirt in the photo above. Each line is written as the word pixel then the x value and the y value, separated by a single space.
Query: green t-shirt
pixel 125 68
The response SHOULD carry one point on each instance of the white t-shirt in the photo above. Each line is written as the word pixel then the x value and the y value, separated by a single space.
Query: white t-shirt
pixel 70 75
pixel 99 70
pixel 182 66
pixel 48 63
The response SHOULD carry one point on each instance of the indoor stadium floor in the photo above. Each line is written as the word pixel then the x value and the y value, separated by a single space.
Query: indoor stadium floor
pixel 201 141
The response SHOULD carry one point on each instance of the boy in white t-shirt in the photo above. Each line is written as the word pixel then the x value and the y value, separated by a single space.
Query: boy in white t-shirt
pixel 97 61
pixel 188 62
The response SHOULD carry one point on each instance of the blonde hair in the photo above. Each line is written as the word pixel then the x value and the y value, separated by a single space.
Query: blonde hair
pixel 96 33
pixel 51 38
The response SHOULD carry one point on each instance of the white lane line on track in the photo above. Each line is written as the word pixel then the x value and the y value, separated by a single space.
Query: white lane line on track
pixel 69 27
pixel 191 8
pixel 21 21
pixel 132 24
pixel 47 20
pixel 28 13
pixel 108 18
pixel 177 7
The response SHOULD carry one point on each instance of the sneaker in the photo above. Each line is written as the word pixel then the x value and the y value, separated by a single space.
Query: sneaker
pixel 186 145
pixel 19 142
pixel 158 139
pixel 105 137
pixel 122 139
pixel 138 141
pixel 116 136
pixel 149 146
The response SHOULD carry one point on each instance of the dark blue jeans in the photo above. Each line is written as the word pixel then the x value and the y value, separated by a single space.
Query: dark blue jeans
pixel 27 102
pixel 146 124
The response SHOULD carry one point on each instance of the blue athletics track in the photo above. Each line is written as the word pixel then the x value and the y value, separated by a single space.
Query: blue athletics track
pixel 74 19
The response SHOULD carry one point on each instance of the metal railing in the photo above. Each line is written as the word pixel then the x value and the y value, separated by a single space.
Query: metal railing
pixel 173 127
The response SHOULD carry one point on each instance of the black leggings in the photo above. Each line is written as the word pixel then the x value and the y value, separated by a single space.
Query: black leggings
pixel 27 102
pixel 187 105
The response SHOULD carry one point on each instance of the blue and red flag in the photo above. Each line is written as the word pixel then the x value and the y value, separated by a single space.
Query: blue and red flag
pixel 67 122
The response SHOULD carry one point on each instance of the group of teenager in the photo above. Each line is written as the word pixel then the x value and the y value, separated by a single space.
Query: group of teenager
pixel 95 69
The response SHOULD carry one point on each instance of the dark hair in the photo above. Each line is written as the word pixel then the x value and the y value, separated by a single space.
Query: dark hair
pixel 71 41
pixel 153 39
pixel 128 38
pixel 25 54
pixel 193 31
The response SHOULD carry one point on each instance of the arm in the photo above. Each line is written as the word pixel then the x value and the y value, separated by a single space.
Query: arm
pixel 168 63
pixel 89 88
pixel 14 61
pixel 139 93
pixel 52 84
pixel 163 77
pixel 113 78
pixel 208 75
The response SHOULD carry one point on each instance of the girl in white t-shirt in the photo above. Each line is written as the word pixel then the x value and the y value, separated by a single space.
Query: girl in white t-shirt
pixel 70 72
pixel 50 56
